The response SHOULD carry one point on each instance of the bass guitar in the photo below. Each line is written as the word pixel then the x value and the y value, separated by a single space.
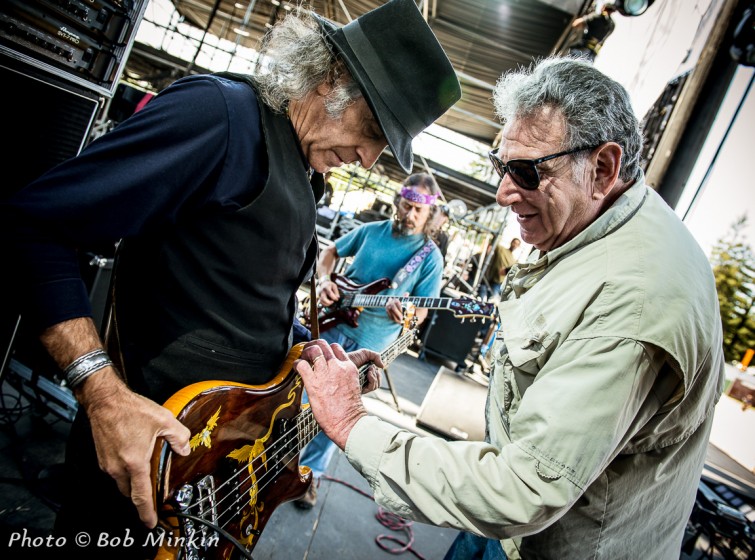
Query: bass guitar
pixel 244 461
pixel 355 297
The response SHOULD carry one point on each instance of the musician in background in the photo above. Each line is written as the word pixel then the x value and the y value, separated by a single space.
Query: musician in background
pixel 401 249
pixel 499 266
pixel 210 191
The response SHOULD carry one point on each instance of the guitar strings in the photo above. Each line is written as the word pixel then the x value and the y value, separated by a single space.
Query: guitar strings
pixel 281 445
pixel 278 446
pixel 310 428
pixel 388 355
pixel 244 501
pixel 304 420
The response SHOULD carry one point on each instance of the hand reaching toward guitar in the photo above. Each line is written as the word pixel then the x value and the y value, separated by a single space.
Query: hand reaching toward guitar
pixel 126 427
pixel 331 379
pixel 395 309
pixel 328 293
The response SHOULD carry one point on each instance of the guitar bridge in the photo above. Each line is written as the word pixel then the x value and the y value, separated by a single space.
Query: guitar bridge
pixel 199 501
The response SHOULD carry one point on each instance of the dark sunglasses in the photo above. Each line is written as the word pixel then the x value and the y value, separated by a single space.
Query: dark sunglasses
pixel 524 171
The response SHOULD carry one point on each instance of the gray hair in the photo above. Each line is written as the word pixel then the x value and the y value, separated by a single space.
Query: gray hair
pixel 595 108
pixel 300 59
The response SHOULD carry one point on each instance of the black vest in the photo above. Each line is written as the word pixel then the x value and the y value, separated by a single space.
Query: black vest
pixel 214 297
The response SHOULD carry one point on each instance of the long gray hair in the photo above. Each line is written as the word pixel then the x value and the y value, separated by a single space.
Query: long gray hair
pixel 595 107
pixel 299 60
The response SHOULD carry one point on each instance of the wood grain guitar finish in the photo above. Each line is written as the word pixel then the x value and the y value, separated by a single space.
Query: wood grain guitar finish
pixel 244 461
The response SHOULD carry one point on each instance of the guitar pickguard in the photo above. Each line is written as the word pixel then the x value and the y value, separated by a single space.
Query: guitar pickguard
pixel 342 311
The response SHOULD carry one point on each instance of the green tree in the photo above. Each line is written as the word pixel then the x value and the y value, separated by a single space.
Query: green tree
pixel 734 271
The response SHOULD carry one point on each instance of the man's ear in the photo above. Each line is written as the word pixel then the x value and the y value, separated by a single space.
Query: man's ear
pixel 607 168
pixel 324 88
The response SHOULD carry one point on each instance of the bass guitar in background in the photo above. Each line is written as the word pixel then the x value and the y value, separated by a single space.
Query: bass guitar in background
pixel 355 297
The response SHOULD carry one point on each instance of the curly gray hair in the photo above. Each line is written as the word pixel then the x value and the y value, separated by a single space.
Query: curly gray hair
pixel 299 60
pixel 595 107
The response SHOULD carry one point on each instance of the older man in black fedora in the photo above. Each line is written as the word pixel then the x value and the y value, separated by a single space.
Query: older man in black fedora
pixel 209 195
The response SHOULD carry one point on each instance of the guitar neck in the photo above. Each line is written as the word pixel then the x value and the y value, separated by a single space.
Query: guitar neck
pixel 366 300
pixel 306 424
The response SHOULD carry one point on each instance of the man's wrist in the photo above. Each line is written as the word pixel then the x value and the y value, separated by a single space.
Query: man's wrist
pixel 99 390
pixel 323 278
pixel 86 365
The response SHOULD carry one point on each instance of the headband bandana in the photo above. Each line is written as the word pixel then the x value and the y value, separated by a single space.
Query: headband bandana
pixel 420 198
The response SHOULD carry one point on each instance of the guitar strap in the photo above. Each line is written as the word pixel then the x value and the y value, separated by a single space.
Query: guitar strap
pixel 313 306
pixel 412 264
pixel 109 329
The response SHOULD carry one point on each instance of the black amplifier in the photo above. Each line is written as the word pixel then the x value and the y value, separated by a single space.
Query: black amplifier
pixel 106 21
pixel 84 40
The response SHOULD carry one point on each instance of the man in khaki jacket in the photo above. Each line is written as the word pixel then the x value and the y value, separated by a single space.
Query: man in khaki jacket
pixel 605 371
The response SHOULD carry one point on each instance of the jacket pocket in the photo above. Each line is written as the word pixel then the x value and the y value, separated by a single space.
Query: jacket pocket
pixel 527 340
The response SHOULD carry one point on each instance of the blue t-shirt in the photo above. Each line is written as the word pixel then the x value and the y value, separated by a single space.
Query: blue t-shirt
pixel 378 254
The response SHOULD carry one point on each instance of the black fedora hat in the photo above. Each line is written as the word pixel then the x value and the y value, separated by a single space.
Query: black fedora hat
pixel 401 70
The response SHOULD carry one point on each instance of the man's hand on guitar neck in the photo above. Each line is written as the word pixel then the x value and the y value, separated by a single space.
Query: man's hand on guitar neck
pixel 331 379
pixel 395 309
pixel 328 292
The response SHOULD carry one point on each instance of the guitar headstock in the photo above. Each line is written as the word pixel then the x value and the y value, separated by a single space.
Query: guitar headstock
pixel 467 307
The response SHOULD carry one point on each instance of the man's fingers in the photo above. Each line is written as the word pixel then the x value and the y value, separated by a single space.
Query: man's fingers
pixel 177 436
pixel 363 355
pixel 330 294
pixel 339 352
pixel 303 367
pixel 142 497
pixel 373 380
pixel 314 348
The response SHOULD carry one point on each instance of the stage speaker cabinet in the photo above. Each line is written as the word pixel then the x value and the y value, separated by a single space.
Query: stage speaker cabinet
pixel 454 406
pixel 45 122
pixel 449 337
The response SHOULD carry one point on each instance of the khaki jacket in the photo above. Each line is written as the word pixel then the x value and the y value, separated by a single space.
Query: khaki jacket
pixel 606 371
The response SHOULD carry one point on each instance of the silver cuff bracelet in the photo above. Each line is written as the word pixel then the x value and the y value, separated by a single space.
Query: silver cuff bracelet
pixel 84 366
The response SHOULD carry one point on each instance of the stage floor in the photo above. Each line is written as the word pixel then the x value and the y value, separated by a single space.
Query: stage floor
pixel 345 523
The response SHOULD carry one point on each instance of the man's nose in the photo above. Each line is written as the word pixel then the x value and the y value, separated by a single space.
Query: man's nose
pixel 508 193
pixel 414 212
pixel 369 153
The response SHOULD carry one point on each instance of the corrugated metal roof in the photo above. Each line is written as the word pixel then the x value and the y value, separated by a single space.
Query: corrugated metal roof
pixel 482 38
